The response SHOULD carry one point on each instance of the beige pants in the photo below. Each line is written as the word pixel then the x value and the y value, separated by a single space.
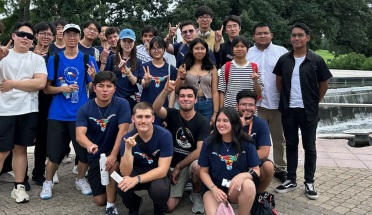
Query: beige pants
pixel 274 118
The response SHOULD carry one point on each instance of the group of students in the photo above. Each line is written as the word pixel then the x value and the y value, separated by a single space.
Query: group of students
pixel 117 98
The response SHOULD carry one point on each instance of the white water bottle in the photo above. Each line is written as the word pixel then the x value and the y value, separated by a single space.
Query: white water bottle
pixel 104 172
pixel 75 95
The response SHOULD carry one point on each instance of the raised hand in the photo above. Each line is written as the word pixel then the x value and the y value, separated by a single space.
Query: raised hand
pixel 218 34
pixel 254 77
pixel 91 70
pixel 104 55
pixel 130 142
pixel 147 76
pixel 172 31
pixel 4 50
pixel 170 85
pixel 182 71
pixel 123 65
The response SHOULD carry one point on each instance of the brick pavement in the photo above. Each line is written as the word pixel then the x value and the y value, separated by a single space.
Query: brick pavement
pixel 343 181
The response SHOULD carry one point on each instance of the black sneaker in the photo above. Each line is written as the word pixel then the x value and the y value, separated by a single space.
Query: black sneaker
pixel 282 176
pixel 310 191
pixel 112 211
pixel 288 185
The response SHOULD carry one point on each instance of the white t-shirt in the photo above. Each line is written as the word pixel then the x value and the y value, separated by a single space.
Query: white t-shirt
pixel 295 99
pixel 20 66
pixel 266 61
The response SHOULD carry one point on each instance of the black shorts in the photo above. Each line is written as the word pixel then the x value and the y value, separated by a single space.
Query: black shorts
pixel 263 160
pixel 60 133
pixel 18 130
pixel 94 178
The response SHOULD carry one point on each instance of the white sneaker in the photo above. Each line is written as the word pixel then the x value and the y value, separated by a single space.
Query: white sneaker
pixel 197 200
pixel 20 194
pixel 66 159
pixel 47 191
pixel 83 186
pixel 75 170
pixel 55 178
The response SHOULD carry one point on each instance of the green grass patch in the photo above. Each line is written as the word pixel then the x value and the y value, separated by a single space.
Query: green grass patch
pixel 325 54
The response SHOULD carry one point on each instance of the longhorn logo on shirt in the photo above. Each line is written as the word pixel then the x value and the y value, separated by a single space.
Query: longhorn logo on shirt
pixel 228 159
pixel 143 155
pixel 158 80
pixel 102 122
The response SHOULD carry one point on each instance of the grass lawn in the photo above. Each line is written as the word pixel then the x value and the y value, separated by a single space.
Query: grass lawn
pixel 325 54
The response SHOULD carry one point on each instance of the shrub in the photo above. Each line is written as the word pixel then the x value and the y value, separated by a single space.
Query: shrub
pixel 351 61
pixel 367 65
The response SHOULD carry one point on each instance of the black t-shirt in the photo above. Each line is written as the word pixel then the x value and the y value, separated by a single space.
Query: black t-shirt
pixel 185 134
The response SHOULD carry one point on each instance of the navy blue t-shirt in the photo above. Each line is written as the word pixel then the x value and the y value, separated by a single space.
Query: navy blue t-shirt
pixel 225 164
pixel 55 50
pixel 157 82
pixel 102 129
pixel 180 55
pixel 124 87
pixel 90 51
pixel 260 132
pixel 160 145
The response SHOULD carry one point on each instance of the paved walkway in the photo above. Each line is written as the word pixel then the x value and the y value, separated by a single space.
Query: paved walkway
pixel 343 181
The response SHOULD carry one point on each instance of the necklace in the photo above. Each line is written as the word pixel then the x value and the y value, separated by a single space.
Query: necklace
pixel 102 117
pixel 227 148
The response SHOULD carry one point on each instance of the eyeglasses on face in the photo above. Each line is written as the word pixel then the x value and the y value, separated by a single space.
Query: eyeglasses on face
pixel 45 34
pixel 92 29
pixel 24 34
pixel 204 17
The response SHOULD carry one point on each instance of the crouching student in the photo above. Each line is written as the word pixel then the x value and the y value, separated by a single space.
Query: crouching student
pixel 146 157
pixel 229 164
pixel 100 125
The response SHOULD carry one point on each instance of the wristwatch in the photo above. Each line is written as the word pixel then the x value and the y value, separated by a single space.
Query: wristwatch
pixel 139 178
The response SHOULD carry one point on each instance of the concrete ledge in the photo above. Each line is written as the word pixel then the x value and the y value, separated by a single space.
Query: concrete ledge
pixel 336 136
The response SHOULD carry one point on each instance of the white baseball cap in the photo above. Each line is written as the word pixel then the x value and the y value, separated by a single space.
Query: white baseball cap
pixel 71 26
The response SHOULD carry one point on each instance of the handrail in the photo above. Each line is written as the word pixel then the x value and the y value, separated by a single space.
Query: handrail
pixel 344 105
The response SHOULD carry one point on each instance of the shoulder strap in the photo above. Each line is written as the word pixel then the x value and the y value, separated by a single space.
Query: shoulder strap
pixel 179 50
pixel 227 72
pixel 56 65
pixel 86 62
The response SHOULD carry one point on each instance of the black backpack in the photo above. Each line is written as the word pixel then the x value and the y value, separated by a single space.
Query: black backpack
pixel 264 204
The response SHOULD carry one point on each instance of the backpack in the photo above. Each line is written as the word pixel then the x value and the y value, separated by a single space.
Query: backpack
pixel 264 204
pixel 56 65
pixel 227 72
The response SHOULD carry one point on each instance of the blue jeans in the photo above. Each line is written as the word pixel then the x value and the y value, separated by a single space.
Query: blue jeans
pixel 204 106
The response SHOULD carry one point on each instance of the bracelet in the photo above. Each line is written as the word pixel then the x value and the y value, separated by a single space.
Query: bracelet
pixel 211 189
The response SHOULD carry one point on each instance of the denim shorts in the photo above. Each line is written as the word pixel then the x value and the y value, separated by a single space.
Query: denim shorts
pixel 204 106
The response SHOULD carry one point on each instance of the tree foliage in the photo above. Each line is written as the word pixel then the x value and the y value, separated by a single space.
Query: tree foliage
pixel 345 25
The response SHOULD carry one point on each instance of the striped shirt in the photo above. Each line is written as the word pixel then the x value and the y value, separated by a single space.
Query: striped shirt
pixel 240 77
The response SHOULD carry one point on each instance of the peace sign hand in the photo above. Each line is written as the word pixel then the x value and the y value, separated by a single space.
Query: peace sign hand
pixel 130 142
pixel 4 50
pixel 147 76
pixel 218 35
pixel 91 70
pixel 40 51
pixel 104 55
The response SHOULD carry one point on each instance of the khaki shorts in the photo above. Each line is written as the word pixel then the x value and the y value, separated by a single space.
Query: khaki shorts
pixel 183 178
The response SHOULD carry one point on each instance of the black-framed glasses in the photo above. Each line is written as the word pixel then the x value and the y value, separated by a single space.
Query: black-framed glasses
pixel 156 49
pixel 25 34
pixel 45 34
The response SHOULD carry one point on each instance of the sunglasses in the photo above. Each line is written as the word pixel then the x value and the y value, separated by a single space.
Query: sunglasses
pixel 190 31
pixel 24 34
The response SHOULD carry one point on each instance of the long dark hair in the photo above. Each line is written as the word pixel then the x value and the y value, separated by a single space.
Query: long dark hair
pixel 190 59
pixel 238 135
pixel 132 55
